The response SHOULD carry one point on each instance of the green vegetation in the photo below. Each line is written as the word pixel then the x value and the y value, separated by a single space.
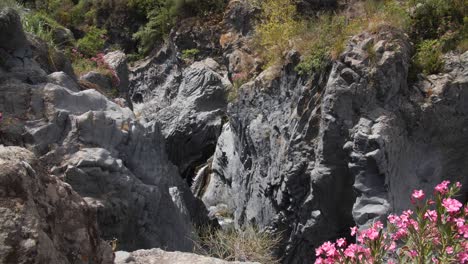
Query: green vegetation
pixel 277 29
pixel 41 25
pixel 162 15
pixel 11 4
pixel 428 58
pixel 247 244
pixel 190 54
pixel 437 26
pixel 323 37
pixel 93 42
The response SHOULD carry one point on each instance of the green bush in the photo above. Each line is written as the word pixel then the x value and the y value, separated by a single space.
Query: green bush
pixel 316 61
pixel 93 42
pixel 428 57
pixel 277 29
pixel 162 15
pixel 431 19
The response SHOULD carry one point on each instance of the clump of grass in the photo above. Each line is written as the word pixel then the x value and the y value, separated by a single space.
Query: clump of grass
pixel 246 244
pixel 190 54
pixel 11 4
pixel 41 25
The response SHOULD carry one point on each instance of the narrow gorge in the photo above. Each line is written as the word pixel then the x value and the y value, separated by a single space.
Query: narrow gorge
pixel 204 132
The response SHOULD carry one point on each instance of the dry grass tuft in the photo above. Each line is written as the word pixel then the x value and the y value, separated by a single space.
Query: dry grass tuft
pixel 247 244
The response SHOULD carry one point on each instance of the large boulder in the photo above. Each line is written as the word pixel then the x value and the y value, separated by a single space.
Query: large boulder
pixel 12 36
pixel 42 219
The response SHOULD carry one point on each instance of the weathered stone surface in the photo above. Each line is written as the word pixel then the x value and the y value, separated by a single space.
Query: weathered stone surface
pixel 104 82
pixel 11 31
pixel 118 165
pixel 159 256
pixel 62 79
pixel 189 110
pixel 62 36
pixel 42 219
pixel 117 60
pixel 312 156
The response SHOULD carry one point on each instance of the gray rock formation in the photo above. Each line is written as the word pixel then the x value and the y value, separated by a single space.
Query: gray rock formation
pixel 119 166
pixel 188 107
pixel 312 156
pixel 163 257
pixel 117 61
pixel 104 82
pixel 42 219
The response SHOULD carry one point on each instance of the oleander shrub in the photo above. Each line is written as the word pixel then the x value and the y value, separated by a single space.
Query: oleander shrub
pixel 435 231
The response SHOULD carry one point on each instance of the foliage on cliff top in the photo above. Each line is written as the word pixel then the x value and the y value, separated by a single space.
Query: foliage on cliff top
pixel 324 36
pixel 163 14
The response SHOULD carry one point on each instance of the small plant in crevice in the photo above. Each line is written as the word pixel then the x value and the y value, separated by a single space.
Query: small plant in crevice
pixel 190 54
pixel 245 244
pixel 238 79
pixel 435 232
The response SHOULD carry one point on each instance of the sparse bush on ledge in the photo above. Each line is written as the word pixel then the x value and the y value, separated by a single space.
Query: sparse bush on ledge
pixel 247 244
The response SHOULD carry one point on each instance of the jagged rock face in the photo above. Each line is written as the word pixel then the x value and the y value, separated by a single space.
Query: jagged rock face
pixel 310 157
pixel 162 257
pixel 189 107
pixel 42 219
pixel 119 166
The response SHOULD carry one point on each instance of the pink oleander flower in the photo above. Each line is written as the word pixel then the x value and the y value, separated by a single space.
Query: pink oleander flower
pixel 341 242
pixel 352 250
pixel 393 218
pixel 354 230
pixel 413 253
pixel 442 188
pixel 431 215
pixel 463 230
pixel 463 257
pixel 417 195
pixel 372 234
pixel 378 225
pixel 458 185
pixel 329 249
pixel 459 221
pixel 451 205
pixel 449 250
pixel 320 261
pixel 392 246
